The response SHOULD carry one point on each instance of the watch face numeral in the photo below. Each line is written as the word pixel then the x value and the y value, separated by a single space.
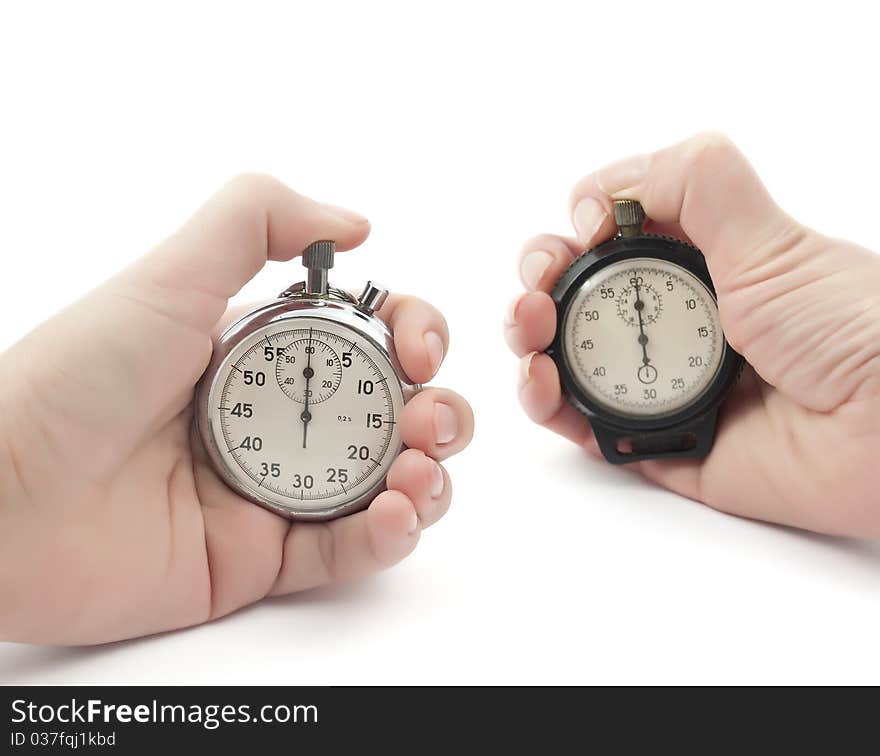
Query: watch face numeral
pixel 254 378
pixel 250 443
pixel 306 413
pixel 243 409
pixel 358 452
pixel 270 468
pixel 337 475
pixel 642 337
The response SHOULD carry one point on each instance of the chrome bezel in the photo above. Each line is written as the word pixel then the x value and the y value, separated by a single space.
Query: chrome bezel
pixel 336 310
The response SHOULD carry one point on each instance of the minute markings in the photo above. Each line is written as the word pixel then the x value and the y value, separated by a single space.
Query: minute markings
pixel 594 341
pixel 269 411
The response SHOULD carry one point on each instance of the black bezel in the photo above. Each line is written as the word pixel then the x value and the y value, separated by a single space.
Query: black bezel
pixel 616 250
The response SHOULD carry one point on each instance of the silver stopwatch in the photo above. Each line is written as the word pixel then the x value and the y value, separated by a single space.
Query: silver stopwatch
pixel 300 405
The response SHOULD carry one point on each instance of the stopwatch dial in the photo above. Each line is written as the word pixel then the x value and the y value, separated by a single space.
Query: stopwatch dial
pixel 642 337
pixel 334 442
pixel 312 362
pixel 650 308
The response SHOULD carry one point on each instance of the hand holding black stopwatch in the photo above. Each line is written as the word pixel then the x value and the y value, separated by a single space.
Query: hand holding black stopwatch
pixel 299 406
pixel 639 345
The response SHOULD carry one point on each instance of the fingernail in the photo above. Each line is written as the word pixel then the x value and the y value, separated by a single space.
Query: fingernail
pixel 510 315
pixel 625 174
pixel 436 481
pixel 525 366
pixel 413 523
pixel 445 423
pixel 349 215
pixel 434 346
pixel 533 267
pixel 588 218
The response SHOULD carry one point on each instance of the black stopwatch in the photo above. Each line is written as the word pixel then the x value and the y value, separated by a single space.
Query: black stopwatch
pixel 639 345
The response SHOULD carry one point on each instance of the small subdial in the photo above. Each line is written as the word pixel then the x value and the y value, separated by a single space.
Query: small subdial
pixel 308 364
pixel 629 301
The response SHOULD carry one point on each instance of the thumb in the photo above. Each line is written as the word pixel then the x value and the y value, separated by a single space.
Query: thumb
pixel 795 308
pixel 123 360
pixel 254 218
pixel 707 187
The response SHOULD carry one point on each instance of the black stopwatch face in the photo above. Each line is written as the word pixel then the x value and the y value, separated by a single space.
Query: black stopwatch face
pixel 639 344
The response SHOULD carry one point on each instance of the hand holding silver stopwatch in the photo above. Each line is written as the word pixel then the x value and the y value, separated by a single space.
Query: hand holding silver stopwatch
pixel 639 345
pixel 298 409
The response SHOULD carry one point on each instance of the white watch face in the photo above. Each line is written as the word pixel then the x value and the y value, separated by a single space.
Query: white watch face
pixel 304 414
pixel 643 338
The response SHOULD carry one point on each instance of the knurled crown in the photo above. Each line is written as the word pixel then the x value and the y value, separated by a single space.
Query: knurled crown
pixel 319 255
pixel 628 213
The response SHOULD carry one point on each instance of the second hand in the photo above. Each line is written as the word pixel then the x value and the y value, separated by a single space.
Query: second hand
pixel 306 416
pixel 643 338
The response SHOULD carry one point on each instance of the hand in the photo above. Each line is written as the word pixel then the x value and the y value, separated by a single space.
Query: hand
pixel 797 439
pixel 112 522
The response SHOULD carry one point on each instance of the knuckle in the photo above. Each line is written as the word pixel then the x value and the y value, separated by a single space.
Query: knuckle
pixel 441 323
pixel 536 242
pixel 251 182
pixel 440 509
pixel 247 195
pixel 248 184
pixel 581 189
pixel 709 149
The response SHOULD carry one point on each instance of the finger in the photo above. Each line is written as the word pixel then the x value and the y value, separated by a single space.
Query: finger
pixel 232 314
pixel 687 477
pixel 540 394
pixel 421 336
pixel 679 476
pixel 544 258
pixel 236 532
pixel 770 272
pixel 254 218
pixel 704 184
pixel 424 482
pixel 438 422
pixel 530 323
pixel 349 548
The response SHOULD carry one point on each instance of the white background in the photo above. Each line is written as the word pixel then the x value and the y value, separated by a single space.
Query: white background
pixel 458 128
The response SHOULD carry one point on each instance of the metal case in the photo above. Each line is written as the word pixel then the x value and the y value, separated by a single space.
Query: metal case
pixel 339 308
